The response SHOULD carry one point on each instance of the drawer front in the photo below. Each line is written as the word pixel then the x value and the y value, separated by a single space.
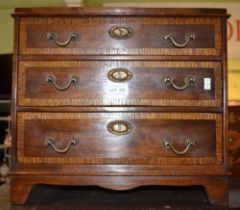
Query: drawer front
pixel 119 138
pixel 121 36
pixel 117 83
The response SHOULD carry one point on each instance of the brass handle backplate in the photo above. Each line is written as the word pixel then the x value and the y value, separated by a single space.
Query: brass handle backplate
pixel 188 143
pixel 50 141
pixel 53 36
pixel 189 80
pixel 119 75
pixel 119 127
pixel 120 32
pixel 188 38
pixel 52 79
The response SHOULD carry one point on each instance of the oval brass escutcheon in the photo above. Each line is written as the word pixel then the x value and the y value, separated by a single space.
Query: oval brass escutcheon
pixel 119 127
pixel 120 32
pixel 119 75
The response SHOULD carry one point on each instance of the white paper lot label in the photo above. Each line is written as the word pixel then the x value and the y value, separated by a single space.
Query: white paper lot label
pixel 207 83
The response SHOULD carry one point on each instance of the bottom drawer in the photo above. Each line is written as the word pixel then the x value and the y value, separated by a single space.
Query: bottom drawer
pixel 119 138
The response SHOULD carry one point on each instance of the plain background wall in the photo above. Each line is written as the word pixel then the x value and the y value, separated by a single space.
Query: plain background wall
pixel 6 21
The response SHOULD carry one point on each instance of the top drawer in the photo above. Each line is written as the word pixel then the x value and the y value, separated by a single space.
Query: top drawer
pixel 120 36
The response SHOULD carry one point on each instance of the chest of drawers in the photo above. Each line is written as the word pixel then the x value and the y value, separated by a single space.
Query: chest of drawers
pixel 119 98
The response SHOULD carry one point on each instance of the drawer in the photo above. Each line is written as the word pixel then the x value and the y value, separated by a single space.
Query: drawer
pixel 121 36
pixel 119 83
pixel 119 138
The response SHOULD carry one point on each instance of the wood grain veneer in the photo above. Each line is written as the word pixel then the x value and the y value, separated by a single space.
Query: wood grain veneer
pixel 95 89
pixel 146 40
pixel 88 128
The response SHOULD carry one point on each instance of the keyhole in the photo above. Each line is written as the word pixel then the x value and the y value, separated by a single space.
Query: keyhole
pixel 119 75
pixel 119 127
pixel 122 32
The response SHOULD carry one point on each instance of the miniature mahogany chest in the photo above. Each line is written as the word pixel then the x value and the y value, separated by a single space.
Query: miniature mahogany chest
pixel 119 98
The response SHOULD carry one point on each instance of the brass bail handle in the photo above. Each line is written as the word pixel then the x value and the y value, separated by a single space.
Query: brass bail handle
pixel 189 80
pixel 188 38
pixel 168 145
pixel 53 36
pixel 50 141
pixel 52 79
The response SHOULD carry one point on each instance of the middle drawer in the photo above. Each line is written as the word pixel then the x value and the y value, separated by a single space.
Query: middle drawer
pixel 120 83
